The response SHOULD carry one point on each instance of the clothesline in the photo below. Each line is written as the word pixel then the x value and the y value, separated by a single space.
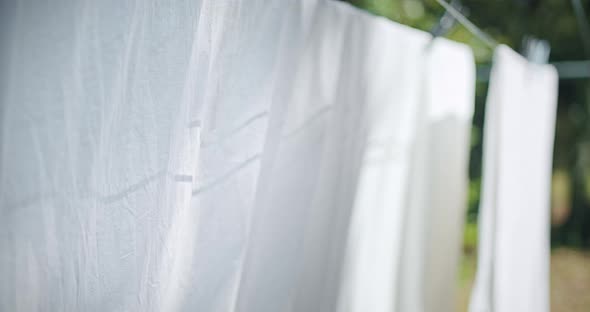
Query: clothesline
pixel 565 69
pixel 463 20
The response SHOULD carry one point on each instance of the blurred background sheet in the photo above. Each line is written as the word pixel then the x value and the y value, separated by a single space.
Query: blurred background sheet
pixel 436 203
pixel 513 263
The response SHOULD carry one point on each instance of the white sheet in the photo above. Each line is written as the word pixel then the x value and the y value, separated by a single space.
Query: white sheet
pixel 451 98
pixel 408 218
pixel 513 255
pixel 433 221
pixel 110 108
pixel 204 155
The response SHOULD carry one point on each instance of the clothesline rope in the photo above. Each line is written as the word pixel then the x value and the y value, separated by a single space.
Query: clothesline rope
pixel 485 38
pixel 566 69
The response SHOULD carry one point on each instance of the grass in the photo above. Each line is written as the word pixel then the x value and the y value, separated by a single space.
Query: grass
pixel 570 279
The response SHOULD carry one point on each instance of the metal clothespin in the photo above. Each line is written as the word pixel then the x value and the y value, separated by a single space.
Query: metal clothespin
pixel 447 21
pixel 463 20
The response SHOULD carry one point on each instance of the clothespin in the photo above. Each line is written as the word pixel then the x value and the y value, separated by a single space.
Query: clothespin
pixel 447 21
pixel 536 50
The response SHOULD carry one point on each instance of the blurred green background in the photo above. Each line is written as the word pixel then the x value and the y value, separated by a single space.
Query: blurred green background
pixel 510 22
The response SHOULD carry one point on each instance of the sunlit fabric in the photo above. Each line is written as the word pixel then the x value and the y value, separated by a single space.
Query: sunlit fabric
pixel 434 217
pixel 513 256
pixel 221 155
pixel 405 233
pixel 131 141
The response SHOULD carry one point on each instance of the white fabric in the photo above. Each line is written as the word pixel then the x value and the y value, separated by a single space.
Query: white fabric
pixel 513 257
pixel 411 239
pixel 435 205
pixel 391 80
pixel 433 222
pixel 451 99
pixel 104 108
pixel 206 155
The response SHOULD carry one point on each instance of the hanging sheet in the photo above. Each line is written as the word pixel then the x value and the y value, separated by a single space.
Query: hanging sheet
pixel 351 116
pixel 205 155
pixel 131 134
pixel 406 226
pixel 513 254
pixel 435 209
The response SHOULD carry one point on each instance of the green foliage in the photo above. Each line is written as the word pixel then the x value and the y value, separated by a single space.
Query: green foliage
pixel 470 237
